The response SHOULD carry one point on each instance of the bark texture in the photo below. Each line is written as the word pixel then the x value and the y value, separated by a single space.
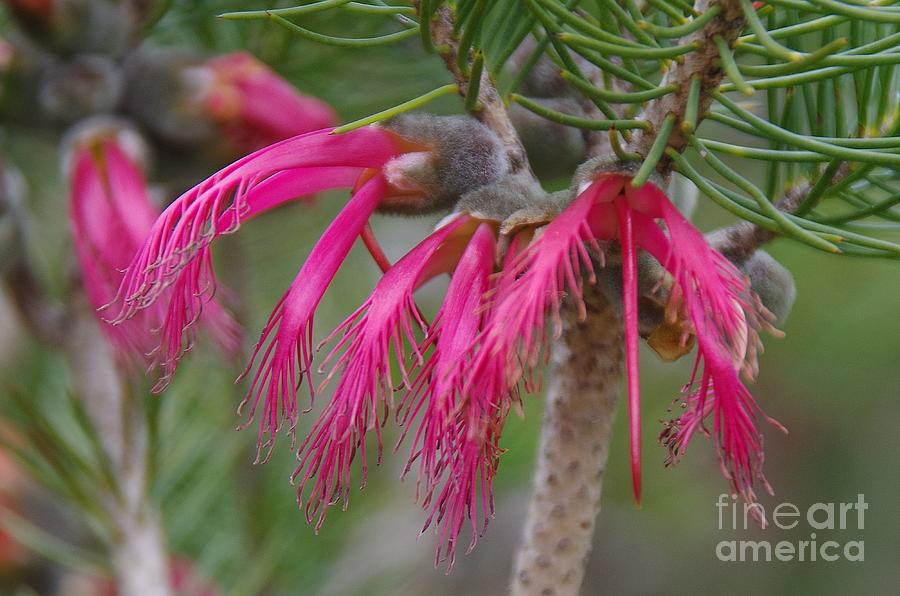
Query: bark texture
pixel 703 62
pixel 586 368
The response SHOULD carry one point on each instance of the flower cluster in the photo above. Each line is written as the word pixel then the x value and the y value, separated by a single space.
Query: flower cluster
pixel 462 372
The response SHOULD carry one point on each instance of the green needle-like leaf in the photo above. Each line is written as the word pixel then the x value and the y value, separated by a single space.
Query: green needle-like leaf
pixel 406 106
pixel 577 122
pixel 655 153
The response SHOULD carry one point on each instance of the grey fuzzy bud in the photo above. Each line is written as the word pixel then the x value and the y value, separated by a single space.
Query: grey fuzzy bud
pixel 651 294
pixel 769 279
pixel 554 150
pixel 88 84
pixel 543 79
pixel 459 154
pixel 773 283
pixel 589 170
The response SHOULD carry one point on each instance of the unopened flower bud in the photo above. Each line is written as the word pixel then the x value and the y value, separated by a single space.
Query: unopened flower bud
pixel 458 155
pixel 770 280
pixel 188 101
pixel 773 283
pixel 252 105
pixel 588 172
pixel 88 84
pixel 554 150
pixel 160 91
pixel 501 199
pixel 543 79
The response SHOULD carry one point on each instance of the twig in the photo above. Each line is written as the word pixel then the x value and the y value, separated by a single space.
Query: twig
pixel 743 238
pixel 587 360
pixel 704 62
pixel 139 555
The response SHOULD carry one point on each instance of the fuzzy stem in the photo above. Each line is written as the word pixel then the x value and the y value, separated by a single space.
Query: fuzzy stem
pixel 586 368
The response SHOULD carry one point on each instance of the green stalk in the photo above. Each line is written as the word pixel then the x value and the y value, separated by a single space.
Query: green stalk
pixel 610 49
pixel 293 11
pixel 614 97
pixel 786 136
pixel 655 153
pixel 788 227
pixel 345 42
pixel 818 189
pixel 585 123
pixel 731 67
pixel 681 30
pixel 689 121
pixel 471 103
pixel 399 109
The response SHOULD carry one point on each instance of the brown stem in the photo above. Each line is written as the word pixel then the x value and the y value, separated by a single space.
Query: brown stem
pixel 138 553
pixel 743 238
pixel 704 62
pixel 586 369
pixel 587 365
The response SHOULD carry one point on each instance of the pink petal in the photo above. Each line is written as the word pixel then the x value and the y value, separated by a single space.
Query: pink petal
pixel 630 315
pixel 111 216
pixel 720 305
pixel 176 257
pixel 456 438
pixel 534 284
pixel 286 340
pixel 217 205
pixel 380 328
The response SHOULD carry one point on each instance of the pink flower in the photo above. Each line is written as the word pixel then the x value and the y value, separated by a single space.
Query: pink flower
pixel 708 294
pixel 111 215
pixel 255 107
pixel 385 323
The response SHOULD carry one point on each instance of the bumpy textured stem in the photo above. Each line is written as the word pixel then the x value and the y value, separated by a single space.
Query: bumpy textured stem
pixel 581 400
pixel 139 554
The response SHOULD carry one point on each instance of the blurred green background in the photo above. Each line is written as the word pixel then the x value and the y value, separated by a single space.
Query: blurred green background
pixel 833 381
